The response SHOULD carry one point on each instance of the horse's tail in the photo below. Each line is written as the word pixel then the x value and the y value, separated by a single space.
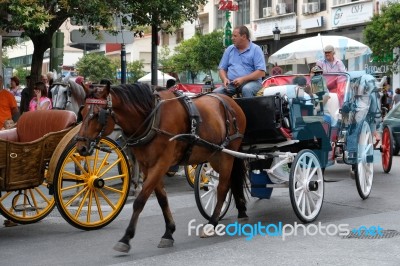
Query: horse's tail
pixel 238 180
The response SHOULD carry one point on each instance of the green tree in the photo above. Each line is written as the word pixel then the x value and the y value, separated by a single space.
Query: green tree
pixel 95 67
pixel 21 73
pixel 136 70
pixel 40 19
pixel 165 59
pixel 382 35
pixel 199 53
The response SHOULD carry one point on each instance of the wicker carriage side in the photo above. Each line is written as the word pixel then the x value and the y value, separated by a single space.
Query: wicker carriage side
pixel 25 156
pixel 21 169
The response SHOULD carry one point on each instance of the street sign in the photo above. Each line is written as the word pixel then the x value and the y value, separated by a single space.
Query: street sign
pixel 103 37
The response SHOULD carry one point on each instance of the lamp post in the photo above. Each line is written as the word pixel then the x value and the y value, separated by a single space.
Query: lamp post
pixel 277 36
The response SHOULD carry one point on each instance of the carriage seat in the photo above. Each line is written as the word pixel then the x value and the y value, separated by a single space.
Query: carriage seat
pixel 34 125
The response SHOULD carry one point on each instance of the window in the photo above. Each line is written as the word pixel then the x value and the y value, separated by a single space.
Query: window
pixel 179 35
pixel 285 6
pixel 243 14
pixel 264 4
pixel 165 38
pixel 220 18
pixel 319 5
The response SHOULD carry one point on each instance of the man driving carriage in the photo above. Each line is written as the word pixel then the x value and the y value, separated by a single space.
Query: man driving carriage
pixel 242 66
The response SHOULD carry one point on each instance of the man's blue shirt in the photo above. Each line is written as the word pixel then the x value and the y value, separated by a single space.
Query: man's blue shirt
pixel 238 64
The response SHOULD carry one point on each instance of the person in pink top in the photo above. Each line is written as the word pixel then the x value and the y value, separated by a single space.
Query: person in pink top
pixel 40 101
pixel 330 63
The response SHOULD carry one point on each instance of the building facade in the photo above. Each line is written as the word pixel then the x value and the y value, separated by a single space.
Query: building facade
pixel 297 19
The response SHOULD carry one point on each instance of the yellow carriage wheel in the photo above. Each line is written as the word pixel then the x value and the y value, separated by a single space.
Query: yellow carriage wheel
pixel 90 191
pixel 190 173
pixel 27 206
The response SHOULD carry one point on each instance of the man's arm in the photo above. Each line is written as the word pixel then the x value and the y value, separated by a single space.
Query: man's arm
pixel 15 114
pixel 342 68
pixel 224 77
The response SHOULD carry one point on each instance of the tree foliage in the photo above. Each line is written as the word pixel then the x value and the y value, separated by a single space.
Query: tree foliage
pixel 382 34
pixel 95 67
pixel 40 19
pixel 199 53
pixel 135 70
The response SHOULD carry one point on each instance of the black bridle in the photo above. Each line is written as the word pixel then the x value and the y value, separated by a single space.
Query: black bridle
pixel 102 119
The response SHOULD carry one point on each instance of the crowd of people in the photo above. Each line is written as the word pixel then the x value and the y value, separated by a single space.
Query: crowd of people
pixel 14 101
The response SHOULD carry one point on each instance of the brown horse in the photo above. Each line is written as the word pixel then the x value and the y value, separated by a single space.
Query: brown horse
pixel 149 120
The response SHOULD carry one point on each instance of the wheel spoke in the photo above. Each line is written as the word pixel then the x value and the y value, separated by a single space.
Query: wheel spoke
pixel 308 201
pixel 300 197
pixel 89 207
pixel 68 203
pixel 78 212
pixel 98 206
pixel 310 176
pixel 210 200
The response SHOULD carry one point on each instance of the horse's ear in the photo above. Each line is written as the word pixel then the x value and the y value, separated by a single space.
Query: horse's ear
pixel 85 88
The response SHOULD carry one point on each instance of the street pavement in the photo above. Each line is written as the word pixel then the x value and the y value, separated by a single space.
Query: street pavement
pixel 54 242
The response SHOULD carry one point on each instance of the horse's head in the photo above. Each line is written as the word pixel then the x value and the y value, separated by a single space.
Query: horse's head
pixel 60 95
pixel 97 120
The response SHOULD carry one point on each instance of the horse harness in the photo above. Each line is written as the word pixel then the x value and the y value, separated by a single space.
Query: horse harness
pixel 195 119
pixel 152 123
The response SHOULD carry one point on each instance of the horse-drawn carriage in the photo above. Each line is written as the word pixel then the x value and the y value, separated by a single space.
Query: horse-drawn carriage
pixel 39 169
pixel 291 138
pixel 287 141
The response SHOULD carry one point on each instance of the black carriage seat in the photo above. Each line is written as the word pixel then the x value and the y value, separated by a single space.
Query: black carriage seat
pixel 25 150
pixel 301 105
pixel 264 117
pixel 304 123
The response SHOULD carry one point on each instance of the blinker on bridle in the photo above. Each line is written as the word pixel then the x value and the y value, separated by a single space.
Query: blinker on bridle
pixel 102 118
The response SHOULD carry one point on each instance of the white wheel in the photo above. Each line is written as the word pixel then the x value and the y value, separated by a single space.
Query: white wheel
pixel 205 191
pixel 364 169
pixel 306 186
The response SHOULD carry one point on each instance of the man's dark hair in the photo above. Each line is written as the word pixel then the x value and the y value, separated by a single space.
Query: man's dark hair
pixel 243 30
pixel 300 81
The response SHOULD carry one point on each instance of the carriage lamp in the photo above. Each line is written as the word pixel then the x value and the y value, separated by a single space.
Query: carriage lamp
pixel 277 33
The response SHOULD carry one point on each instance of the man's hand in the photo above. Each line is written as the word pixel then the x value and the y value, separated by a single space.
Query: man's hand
pixel 226 82
pixel 238 82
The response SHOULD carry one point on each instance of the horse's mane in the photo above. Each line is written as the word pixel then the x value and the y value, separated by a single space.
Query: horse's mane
pixel 138 95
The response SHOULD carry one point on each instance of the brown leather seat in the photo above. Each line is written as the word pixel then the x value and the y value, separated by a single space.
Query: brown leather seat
pixel 36 124
pixel 25 150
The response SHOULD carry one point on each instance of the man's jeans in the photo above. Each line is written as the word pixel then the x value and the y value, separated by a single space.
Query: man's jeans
pixel 249 89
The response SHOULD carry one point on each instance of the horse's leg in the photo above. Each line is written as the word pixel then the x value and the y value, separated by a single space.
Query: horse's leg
pixel 166 240
pixel 222 190
pixel 138 205
pixel 235 179
pixel 238 179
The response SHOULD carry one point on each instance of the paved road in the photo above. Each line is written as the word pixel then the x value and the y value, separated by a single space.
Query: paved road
pixel 54 242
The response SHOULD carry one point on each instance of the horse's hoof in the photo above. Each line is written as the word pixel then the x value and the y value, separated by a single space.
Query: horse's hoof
pixel 209 232
pixel 242 217
pixel 122 247
pixel 166 243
